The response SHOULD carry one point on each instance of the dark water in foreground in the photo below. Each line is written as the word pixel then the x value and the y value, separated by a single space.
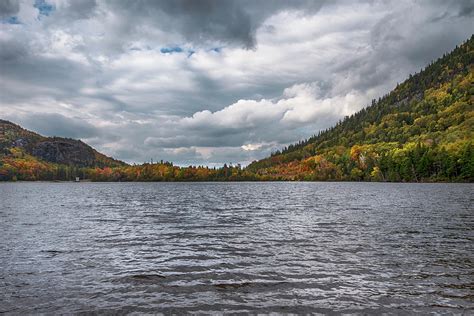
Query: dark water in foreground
pixel 236 247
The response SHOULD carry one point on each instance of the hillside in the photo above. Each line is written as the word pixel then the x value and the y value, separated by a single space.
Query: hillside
pixel 30 156
pixel 421 131
pixel 27 156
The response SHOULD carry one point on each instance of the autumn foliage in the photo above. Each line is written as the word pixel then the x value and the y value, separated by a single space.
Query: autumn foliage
pixel 422 131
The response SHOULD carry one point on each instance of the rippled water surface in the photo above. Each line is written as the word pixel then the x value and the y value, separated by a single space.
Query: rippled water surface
pixel 236 247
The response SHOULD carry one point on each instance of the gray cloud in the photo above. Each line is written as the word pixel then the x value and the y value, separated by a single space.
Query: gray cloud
pixel 9 8
pixel 284 69
pixel 81 9
pixel 11 50
pixel 51 124
pixel 225 21
pixel 466 8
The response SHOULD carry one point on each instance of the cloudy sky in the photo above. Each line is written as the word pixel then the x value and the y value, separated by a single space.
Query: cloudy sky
pixel 209 81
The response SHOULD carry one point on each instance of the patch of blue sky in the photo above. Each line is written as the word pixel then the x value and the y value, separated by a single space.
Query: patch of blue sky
pixel 189 51
pixel 10 20
pixel 43 7
pixel 170 50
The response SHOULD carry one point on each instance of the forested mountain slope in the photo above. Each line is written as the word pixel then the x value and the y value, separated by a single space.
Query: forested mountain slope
pixel 422 130
pixel 30 156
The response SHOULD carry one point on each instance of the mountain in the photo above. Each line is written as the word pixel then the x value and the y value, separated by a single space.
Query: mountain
pixel 24 153
pixel 421 131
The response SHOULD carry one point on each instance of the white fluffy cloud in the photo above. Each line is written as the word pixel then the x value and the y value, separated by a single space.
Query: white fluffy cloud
pixel 209 82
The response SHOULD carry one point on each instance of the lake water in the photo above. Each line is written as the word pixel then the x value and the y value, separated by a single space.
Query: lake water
pixel 236 247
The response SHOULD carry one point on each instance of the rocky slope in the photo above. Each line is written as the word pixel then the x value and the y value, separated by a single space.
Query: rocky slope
pixel 56 150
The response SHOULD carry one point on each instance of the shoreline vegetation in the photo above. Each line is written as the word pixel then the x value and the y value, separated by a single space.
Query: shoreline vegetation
pixel 422 131
pixel 238 181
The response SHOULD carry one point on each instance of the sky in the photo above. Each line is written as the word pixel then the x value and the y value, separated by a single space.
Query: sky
pixel 208 82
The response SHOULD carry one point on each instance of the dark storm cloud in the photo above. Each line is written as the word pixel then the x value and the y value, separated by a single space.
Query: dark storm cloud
pixel 12 50
pixel 9 8
pixel 232 22
pixel 208 82
pixel 466 8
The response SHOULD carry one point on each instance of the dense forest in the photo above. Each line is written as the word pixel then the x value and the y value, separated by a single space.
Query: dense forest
pixel 421 131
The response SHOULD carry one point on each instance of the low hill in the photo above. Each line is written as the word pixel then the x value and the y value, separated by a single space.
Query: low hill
pixel 421 131
pixel 26 154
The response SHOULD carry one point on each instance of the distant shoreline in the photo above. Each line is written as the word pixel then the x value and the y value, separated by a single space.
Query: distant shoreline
pixel 239 181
